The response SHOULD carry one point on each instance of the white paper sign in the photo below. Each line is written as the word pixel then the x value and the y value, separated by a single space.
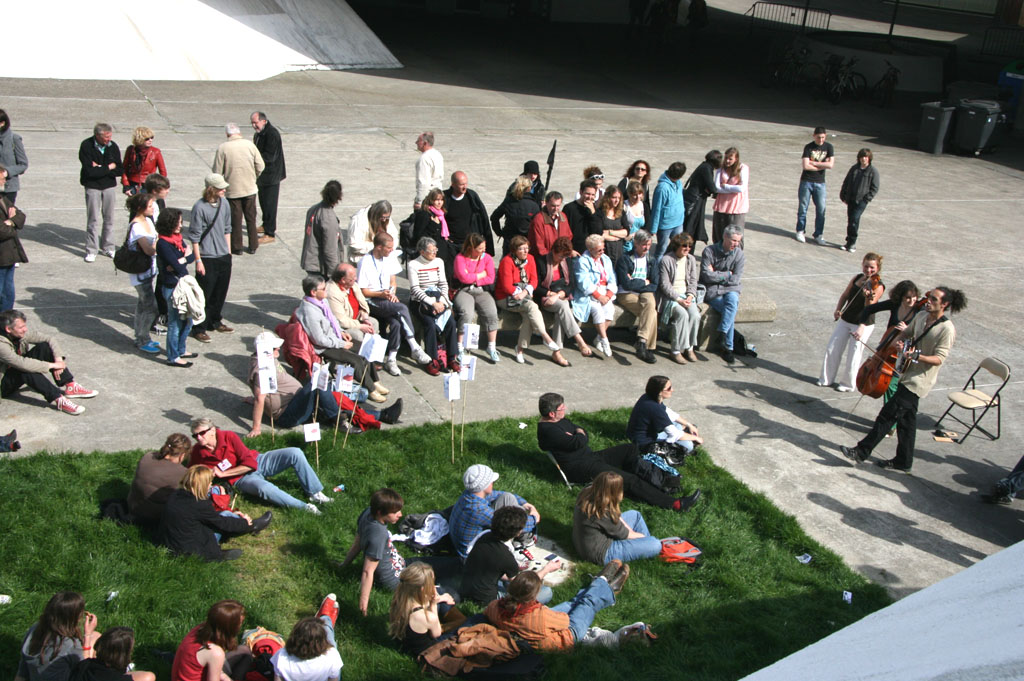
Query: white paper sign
pixel 311 431
pixel 471 336
pixel 468 372
pixel 266 368
pixel 268 381
pixel 452 387
pixel 314 374
pixel 324 380
pixel 373 348
pixel 343 378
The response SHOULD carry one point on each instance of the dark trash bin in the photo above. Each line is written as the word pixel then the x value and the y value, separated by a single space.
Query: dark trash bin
pixel 976 121
pixel 935 120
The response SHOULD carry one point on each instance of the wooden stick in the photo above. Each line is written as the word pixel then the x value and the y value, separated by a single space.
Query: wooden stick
pixel 354 404
pixel 317 446
pixel 273 435
pixel 453 429
pixel 462 435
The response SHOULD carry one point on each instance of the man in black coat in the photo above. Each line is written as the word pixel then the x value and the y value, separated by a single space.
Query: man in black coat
pixel 582 215
pixel 268 140
pixel 465 213
pixel 101 171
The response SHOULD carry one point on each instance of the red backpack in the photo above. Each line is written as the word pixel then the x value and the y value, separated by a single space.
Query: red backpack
pixel 679 550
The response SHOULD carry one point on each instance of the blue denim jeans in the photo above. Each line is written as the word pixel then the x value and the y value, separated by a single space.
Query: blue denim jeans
pixel 664 236
pixel 226 514
pixel 853 212
pixel 807 192
pixel 329 630
pixel 301 407
pixel 269 464
pixel 726 306
pixel 585 605
pixel 634 549
pixel 1014 482
pixel 7 287
pixel 178 328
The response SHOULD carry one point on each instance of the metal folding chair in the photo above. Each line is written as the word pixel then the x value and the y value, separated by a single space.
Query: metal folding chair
pixel 551 458
pixel 973 400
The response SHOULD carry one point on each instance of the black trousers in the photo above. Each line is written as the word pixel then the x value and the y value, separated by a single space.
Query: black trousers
pixel 395 321
pixel 449 334
pixel 215 288
pixel 339 356
pixel 15 378
pixel 853 212
pixel 268 206
pixel 619 459
pixel 902 411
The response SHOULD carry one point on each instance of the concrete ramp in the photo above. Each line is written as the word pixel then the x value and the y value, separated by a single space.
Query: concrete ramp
pixel 186 39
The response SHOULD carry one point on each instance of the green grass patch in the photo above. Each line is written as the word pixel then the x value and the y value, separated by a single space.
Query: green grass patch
pixel 749 604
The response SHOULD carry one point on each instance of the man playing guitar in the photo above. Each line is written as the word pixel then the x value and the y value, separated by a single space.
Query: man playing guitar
pixel 926 341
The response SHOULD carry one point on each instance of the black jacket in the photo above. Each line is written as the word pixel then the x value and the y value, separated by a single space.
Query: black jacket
pixel 269 144
pixel 10 245
pixel 860 184
pixel 100 176
pixel 583 223
pixel 188 525
pixel 624 267
pixel 478 222
pixel 518 214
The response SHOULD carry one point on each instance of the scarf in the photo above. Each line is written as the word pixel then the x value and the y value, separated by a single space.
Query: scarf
pixel 326 309
pixel 174 240
pixel 524 278
pixel 444 223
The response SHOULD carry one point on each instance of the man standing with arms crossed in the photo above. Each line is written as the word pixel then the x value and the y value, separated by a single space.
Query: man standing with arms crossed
pixel 818 157
pixel 268 185
pixel 101 171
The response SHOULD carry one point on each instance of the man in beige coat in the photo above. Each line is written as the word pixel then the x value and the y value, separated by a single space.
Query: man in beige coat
pixel 239 161
pixel 341 292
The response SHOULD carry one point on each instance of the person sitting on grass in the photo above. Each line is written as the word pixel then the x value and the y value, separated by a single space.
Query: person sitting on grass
pixel 492 560
pixel 561 627
pixel 26 357
pixel 191 524
pixel 570 445
pixel 473 511
pixel 247 470
pixel 113 659
pixel 651 421
pixel 601 532
pixel 293 403
pixel 311 653
pixel 210 652
pixel 157 476
pixel 64 634
pixel 416 610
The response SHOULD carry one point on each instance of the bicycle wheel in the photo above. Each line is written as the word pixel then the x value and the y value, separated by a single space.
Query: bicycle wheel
pixel 811 74
pixel 857 84
pixel 834 89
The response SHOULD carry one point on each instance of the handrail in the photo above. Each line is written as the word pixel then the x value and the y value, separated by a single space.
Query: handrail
pixel 788 17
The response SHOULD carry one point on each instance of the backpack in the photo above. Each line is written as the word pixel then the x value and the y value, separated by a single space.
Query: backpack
pixel 129 260
pixel 679 550
pixel 263 643
pixel 656 475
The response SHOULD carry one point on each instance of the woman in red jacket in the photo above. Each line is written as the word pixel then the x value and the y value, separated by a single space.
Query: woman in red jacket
pixel 140 160
pixel 517 280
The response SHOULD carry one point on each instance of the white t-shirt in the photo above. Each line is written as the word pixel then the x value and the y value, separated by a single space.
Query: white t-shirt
pixel 142 230
pixel 326 666
pixel 376 274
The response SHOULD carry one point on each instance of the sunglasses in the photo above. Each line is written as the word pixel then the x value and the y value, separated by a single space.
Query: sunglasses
pixel 200 433
pixel 596 177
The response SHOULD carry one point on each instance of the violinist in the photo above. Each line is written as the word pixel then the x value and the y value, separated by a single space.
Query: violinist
pixel 863 290
pixel 927 340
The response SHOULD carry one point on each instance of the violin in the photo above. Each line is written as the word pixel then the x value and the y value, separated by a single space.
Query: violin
pixel 889 359
pixel 868 289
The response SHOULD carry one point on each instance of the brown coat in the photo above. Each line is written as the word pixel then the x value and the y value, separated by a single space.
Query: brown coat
pixel 478 646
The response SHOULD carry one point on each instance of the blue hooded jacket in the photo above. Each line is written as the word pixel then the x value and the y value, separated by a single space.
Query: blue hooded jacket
pixel 667 208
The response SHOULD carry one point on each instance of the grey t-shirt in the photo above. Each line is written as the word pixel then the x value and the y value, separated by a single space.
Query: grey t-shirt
pixel 375 542
pixel 204 215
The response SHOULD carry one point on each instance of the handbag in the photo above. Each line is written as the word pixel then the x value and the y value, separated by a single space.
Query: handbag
pixel 132 261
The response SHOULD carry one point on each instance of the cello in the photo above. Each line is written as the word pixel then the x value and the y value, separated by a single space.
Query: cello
pixel 876 373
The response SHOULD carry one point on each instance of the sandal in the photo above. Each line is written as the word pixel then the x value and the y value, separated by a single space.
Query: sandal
pixel 557 358
pixel 585 350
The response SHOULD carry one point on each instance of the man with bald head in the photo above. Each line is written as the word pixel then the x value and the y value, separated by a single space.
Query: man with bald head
pixel 349 304
pixel 465 214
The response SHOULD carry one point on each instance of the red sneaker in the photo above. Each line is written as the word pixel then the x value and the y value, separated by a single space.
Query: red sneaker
pixel 329 608
pixel 67 406
pixel 73 389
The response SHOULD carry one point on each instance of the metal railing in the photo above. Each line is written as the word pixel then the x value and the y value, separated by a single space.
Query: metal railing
pixel 777 16
pixel 1003 41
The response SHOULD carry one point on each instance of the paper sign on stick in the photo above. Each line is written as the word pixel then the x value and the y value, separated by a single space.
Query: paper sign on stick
pixel 311 431
pixel 267 368
pixel 468 372
pixel 471 336
pixel 343 379
pixel 452 389
pixel 314 374
pixel 324 380
pixel 268 381
pixel 373 348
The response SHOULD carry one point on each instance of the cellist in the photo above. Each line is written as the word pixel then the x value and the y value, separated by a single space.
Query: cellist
pixel 863 290
pixel 901 306
pixel 927 340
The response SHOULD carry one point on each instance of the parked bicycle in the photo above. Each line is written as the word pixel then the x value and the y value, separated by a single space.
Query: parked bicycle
pixel 882 91
pixel 842 80
pixel 792 68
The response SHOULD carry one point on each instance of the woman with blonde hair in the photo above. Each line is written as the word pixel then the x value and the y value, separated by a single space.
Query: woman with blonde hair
pixel 518 209
pixel 733 200
pixel 191 524
pixel 852 332
pixel 140 160
pixel 413 619
pixel 601 532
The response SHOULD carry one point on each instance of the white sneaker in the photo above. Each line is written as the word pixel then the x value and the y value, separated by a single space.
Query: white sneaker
pixel 90 257
pixel 494 356
pixel 313 509
pixel 109 252
pixel 391 366
pixel 606 347
pixel 800 237
pixel 553 346
pixel 519 355
pixel 421 357
pixel 820 239
pixel 321 498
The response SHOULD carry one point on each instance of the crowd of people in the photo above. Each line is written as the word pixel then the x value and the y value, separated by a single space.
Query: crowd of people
pixel 562 264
